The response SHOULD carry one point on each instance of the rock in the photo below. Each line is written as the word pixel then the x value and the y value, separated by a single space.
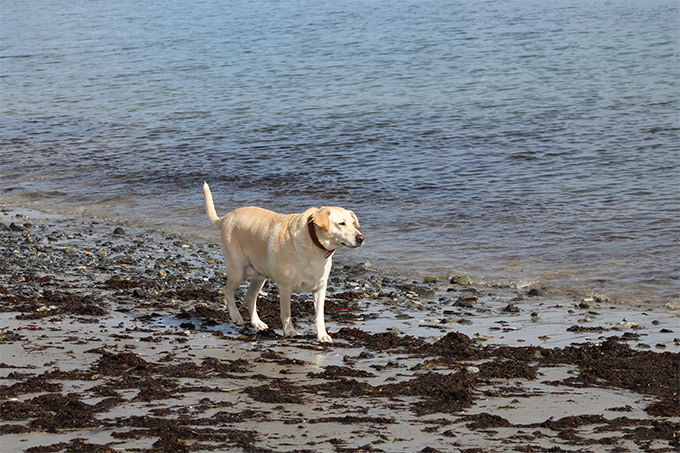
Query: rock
pixel 119 231
pixel 467 299
pixel 535 293
pixel 465 322
pixel 14 227
pixel 422 291
pixel 463 304
pixel 460 280
pixel 629 324
pixel 472 369
pixel 511 308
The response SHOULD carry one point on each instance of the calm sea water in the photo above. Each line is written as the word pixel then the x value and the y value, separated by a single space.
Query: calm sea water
pixel 521 142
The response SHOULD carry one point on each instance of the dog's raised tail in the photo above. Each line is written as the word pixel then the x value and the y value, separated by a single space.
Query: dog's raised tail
pixel 210 205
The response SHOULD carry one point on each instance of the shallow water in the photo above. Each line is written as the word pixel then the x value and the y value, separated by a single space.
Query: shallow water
pixel 515 142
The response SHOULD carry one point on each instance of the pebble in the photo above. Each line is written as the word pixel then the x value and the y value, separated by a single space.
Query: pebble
pixel 460 280
pixel 511 308
pixel 468 298
pixel 472 369
pixel 463 304
pixel 422 291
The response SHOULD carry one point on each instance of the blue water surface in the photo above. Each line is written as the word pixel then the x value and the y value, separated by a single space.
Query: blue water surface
pixel 521 142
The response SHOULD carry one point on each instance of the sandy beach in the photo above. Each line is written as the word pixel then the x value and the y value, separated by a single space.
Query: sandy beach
pixel 114 338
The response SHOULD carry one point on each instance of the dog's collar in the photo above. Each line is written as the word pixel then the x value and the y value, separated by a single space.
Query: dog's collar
pixel 315 238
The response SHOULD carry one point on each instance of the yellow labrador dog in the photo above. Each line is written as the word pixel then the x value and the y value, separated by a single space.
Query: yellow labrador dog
pixel 292 249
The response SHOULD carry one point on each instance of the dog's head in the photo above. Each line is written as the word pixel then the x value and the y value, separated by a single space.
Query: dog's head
pixel 339 225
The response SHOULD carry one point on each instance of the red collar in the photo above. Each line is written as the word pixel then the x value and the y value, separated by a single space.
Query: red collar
pixel 315 238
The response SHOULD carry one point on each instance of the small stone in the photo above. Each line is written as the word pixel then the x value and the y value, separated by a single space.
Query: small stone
pixel 472 369
pixel 466 300
pixel 465 322
pixel 460 280
pixel 421 291
pixel 119 231
pixel 463 304
pixel 14 227
pixel 535 293
pixel 511 308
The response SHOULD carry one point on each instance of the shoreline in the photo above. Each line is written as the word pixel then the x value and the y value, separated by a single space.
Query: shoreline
pixel 566 282
pixel 92 313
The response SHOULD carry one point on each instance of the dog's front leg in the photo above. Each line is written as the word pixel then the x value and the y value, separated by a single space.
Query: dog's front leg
pixel 251 299
pixel 285 294
pixel 319 299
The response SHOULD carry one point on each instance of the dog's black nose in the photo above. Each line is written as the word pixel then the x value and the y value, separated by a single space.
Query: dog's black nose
pixel 360 239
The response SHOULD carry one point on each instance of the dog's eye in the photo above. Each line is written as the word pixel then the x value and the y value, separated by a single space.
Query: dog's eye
pixel 342 224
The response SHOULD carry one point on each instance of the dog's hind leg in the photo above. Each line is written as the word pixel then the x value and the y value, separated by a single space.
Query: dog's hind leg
pixel 251 299
pixel 235 276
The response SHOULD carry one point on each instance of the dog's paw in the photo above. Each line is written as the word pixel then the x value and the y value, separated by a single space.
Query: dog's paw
pixel 238 320
pixel 259 325
pixel 290 332
pixel 324 338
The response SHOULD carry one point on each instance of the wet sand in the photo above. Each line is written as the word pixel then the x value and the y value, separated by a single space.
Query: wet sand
pixel 113 338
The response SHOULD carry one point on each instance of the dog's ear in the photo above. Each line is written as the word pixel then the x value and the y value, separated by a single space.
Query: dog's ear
pixel 354 217
pixel 322 218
